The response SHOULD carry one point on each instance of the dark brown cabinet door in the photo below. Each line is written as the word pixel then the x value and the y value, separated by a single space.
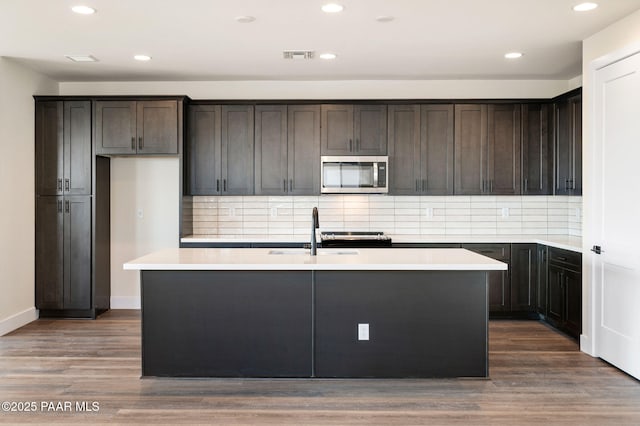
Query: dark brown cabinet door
pixel 470 149
pixel 555 295
pixel 573 304
pixel 524 277
pixel 77 252
pixel 77 148
pixel 536 149
pixel 303 150
pixel 157 127
pixel 543 271
pixel 404 150
pixel 370 129
pixel 436 146
pixel 49 253
pixel 568 147
pixel 203 150
pixel 354 129
pixel 499 282
pixel 237 150
pixel 115 131
pixel 503 150
pixel 337 130
pixel 63 148
pixel 50 148
pixel 271 175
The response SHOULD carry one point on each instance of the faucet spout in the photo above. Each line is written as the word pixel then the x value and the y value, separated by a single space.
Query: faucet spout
pixel 315 224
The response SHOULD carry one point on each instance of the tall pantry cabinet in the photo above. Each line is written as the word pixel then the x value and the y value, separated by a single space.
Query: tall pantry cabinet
pixel 72 241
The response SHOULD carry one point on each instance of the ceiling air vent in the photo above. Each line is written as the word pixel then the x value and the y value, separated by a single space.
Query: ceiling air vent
pixel 297 54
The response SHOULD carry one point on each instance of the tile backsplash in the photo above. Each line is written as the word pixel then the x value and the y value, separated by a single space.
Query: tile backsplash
pixel 398 215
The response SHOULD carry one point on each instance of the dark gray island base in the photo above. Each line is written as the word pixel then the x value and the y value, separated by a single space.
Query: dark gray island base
pixel 235 323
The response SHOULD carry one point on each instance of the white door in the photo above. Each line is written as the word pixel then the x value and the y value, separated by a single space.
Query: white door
pixel 616 214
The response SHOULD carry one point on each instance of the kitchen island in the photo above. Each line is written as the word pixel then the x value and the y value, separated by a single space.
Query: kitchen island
pixel 342 313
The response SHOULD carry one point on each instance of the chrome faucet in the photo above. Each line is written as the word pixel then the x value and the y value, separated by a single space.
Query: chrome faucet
pixel 315 224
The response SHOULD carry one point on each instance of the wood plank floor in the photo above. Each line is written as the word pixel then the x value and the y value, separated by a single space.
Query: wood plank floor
pixel 538 376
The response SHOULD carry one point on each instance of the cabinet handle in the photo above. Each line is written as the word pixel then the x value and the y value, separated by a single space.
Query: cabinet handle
pixel 140 143
pixel 484 185
pixel 224 185
pixel 491 190
pixel 416 184
pixel 59 206
pixel 290 185
pixel 424 185
pixel 217 185
pixel 526 185
pixel 133 143
pixel 350 145
pixel 59 185
pixel 66 206
pixel 67 185
pixel 284 185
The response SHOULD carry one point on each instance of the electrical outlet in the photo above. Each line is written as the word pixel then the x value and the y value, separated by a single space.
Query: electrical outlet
pixel 274 212
pixel 428 212
pixel 505 212
pixel 363 331
pixel 232 211
pixel 577 212
pixel 140 214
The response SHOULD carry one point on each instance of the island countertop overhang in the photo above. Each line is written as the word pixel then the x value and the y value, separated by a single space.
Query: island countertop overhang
pixel 228 259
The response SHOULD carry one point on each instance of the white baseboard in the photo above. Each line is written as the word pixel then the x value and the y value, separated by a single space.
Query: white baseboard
pixel 18 320
pixel 125 302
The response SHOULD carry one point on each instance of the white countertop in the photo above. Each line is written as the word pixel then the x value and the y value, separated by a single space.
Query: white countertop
pixel 225 259
pixel 566 242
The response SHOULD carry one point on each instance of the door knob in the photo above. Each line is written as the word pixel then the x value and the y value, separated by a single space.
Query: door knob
pixel 597 249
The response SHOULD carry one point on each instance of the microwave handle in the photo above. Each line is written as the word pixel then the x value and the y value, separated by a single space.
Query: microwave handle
pixel 375 175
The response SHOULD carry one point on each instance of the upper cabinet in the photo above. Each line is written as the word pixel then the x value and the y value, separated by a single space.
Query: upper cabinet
pixel 568 146
pixel 421 149
pixel 220 150
pixel 136 127
pixel 287 150
pixel 537 153
pixel 487 149
pixel 63 148
pixel 354 129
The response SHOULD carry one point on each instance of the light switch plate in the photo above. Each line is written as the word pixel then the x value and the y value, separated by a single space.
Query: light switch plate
pixel 363 331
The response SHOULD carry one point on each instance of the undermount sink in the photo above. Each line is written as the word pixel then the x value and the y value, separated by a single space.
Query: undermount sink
pixel 307 252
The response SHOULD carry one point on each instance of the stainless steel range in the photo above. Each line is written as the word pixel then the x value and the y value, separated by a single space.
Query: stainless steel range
pixel 355 239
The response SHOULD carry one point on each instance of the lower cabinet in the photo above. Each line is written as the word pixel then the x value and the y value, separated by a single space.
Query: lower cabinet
pixel 564 291
pixel 524 277
pixel 499 281
pixel 63 253
pixel 72 256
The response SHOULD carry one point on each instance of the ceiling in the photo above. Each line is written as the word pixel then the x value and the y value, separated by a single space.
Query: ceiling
pixel 201 40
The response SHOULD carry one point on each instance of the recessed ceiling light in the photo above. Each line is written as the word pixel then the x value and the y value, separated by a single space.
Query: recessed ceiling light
pixel 81 58
pixel 83 10
pixel 585 7
pixel 332 8
pixel 385 18
pixel 246 19
pixel 142 57
pixel 327 56
pixel 513 55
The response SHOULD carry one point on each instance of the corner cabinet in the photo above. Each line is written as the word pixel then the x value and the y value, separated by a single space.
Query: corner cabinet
pixel 220 149
pixel 421 149
pixel 568 146
pixel 72 277
pixel 127 127
pixel 354 129
pixel 537 152
pixel 287 150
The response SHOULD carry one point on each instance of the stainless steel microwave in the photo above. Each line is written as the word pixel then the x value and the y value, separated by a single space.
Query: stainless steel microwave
pixel 354 174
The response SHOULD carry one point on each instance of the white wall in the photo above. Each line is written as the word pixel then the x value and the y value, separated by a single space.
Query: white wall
pixel 613 43
pixel 17 87
pixel 345 89
pixel 146 187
